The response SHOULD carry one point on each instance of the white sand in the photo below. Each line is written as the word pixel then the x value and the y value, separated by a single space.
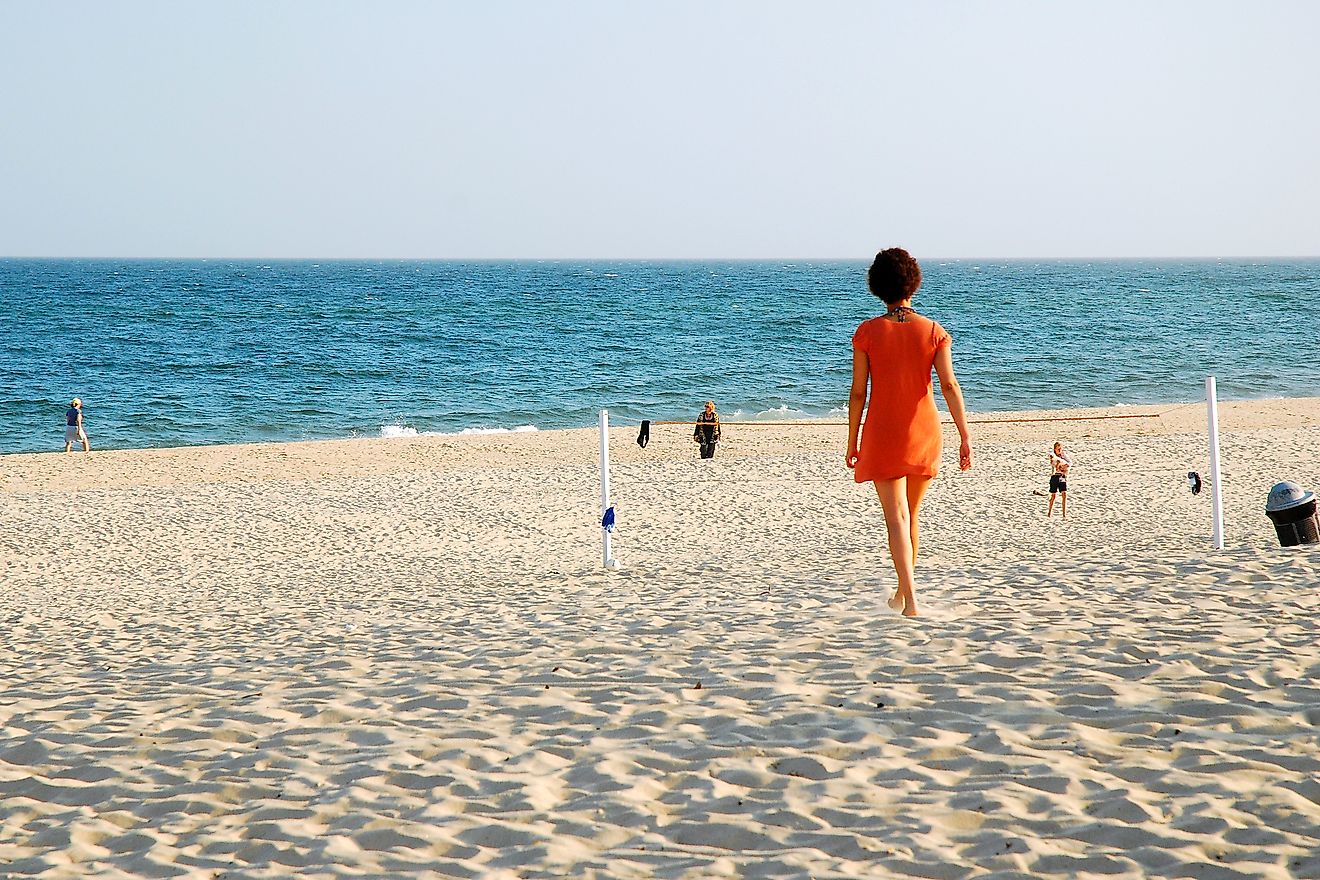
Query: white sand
pixel 402 657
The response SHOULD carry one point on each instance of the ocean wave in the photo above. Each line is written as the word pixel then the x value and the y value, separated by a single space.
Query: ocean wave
pixel 782 413
pixel 394 431
pixel 520 429
pixel 397 431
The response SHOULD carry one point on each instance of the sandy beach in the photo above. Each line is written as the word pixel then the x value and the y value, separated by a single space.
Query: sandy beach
pixel 403 657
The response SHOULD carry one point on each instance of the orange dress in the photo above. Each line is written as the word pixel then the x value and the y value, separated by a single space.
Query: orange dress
pixel 901 429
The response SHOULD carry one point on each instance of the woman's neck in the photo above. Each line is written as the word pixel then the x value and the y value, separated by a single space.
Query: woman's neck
pixel 900 310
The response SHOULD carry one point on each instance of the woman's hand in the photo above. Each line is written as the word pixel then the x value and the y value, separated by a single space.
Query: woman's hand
pixel 965 455
pixel 851 458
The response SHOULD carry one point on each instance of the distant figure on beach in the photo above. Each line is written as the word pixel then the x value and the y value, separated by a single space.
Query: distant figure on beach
pixel 900 443
pixel 707 432
pixel 1059 464
pixel 73 426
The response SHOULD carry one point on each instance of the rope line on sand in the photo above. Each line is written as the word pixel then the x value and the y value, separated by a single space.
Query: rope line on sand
pixel 1174 473
pixel 830 424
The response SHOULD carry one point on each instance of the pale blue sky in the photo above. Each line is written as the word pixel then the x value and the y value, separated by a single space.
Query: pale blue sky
pixel 669 129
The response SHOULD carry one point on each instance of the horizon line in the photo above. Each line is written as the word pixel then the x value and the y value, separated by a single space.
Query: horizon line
pixel 635 259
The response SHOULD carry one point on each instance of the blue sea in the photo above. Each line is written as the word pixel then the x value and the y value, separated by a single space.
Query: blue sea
pixel 169 353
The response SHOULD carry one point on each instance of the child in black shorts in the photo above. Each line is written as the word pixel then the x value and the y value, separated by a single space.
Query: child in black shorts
pixel 1059 464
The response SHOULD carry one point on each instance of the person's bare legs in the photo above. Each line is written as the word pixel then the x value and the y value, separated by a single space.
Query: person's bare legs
pixel 916 492
pixel 898 523
pixel 1049 511
pixel 1063 503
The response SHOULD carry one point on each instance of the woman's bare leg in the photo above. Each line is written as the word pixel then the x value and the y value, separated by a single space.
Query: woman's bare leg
pixel 916 492
pixel 898 523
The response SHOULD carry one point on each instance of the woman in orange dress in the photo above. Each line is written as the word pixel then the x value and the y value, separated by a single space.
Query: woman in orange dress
pixel 894 354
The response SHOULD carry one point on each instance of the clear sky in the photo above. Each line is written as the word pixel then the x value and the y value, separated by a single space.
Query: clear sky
pixel 683 128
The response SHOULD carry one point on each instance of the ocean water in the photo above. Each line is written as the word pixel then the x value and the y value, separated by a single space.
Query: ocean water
pixel 167 353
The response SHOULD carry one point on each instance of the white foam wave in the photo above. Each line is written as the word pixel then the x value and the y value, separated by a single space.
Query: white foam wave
pixel 397 431
pixel 780 413
pixel 520 429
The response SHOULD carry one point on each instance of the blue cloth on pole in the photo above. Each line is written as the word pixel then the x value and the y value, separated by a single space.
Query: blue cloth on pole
pixel 607 521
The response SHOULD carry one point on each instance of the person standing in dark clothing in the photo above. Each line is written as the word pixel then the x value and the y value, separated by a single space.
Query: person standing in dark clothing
pixel 707 432
pixel 73 426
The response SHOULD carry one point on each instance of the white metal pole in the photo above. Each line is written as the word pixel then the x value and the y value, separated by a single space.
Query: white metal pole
pixel 606 556
pixel 1216 492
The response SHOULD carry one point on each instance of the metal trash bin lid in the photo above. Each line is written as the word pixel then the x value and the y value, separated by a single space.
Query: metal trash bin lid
pixel 1287 495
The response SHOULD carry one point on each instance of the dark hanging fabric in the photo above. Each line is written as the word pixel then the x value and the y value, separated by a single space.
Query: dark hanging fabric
pixel 607 521
pixel 644 435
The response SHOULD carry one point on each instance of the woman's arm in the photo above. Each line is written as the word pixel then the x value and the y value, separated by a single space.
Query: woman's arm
pixel 856 403
pixel 954 400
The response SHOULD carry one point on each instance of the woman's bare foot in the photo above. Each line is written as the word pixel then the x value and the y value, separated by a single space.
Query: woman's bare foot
pixel 904 601
pixel 907 606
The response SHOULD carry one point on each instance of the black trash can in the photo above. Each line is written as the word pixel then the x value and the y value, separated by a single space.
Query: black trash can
pixel 1293 512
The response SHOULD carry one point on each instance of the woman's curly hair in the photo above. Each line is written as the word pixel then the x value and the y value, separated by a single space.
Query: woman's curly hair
pixel 894 276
